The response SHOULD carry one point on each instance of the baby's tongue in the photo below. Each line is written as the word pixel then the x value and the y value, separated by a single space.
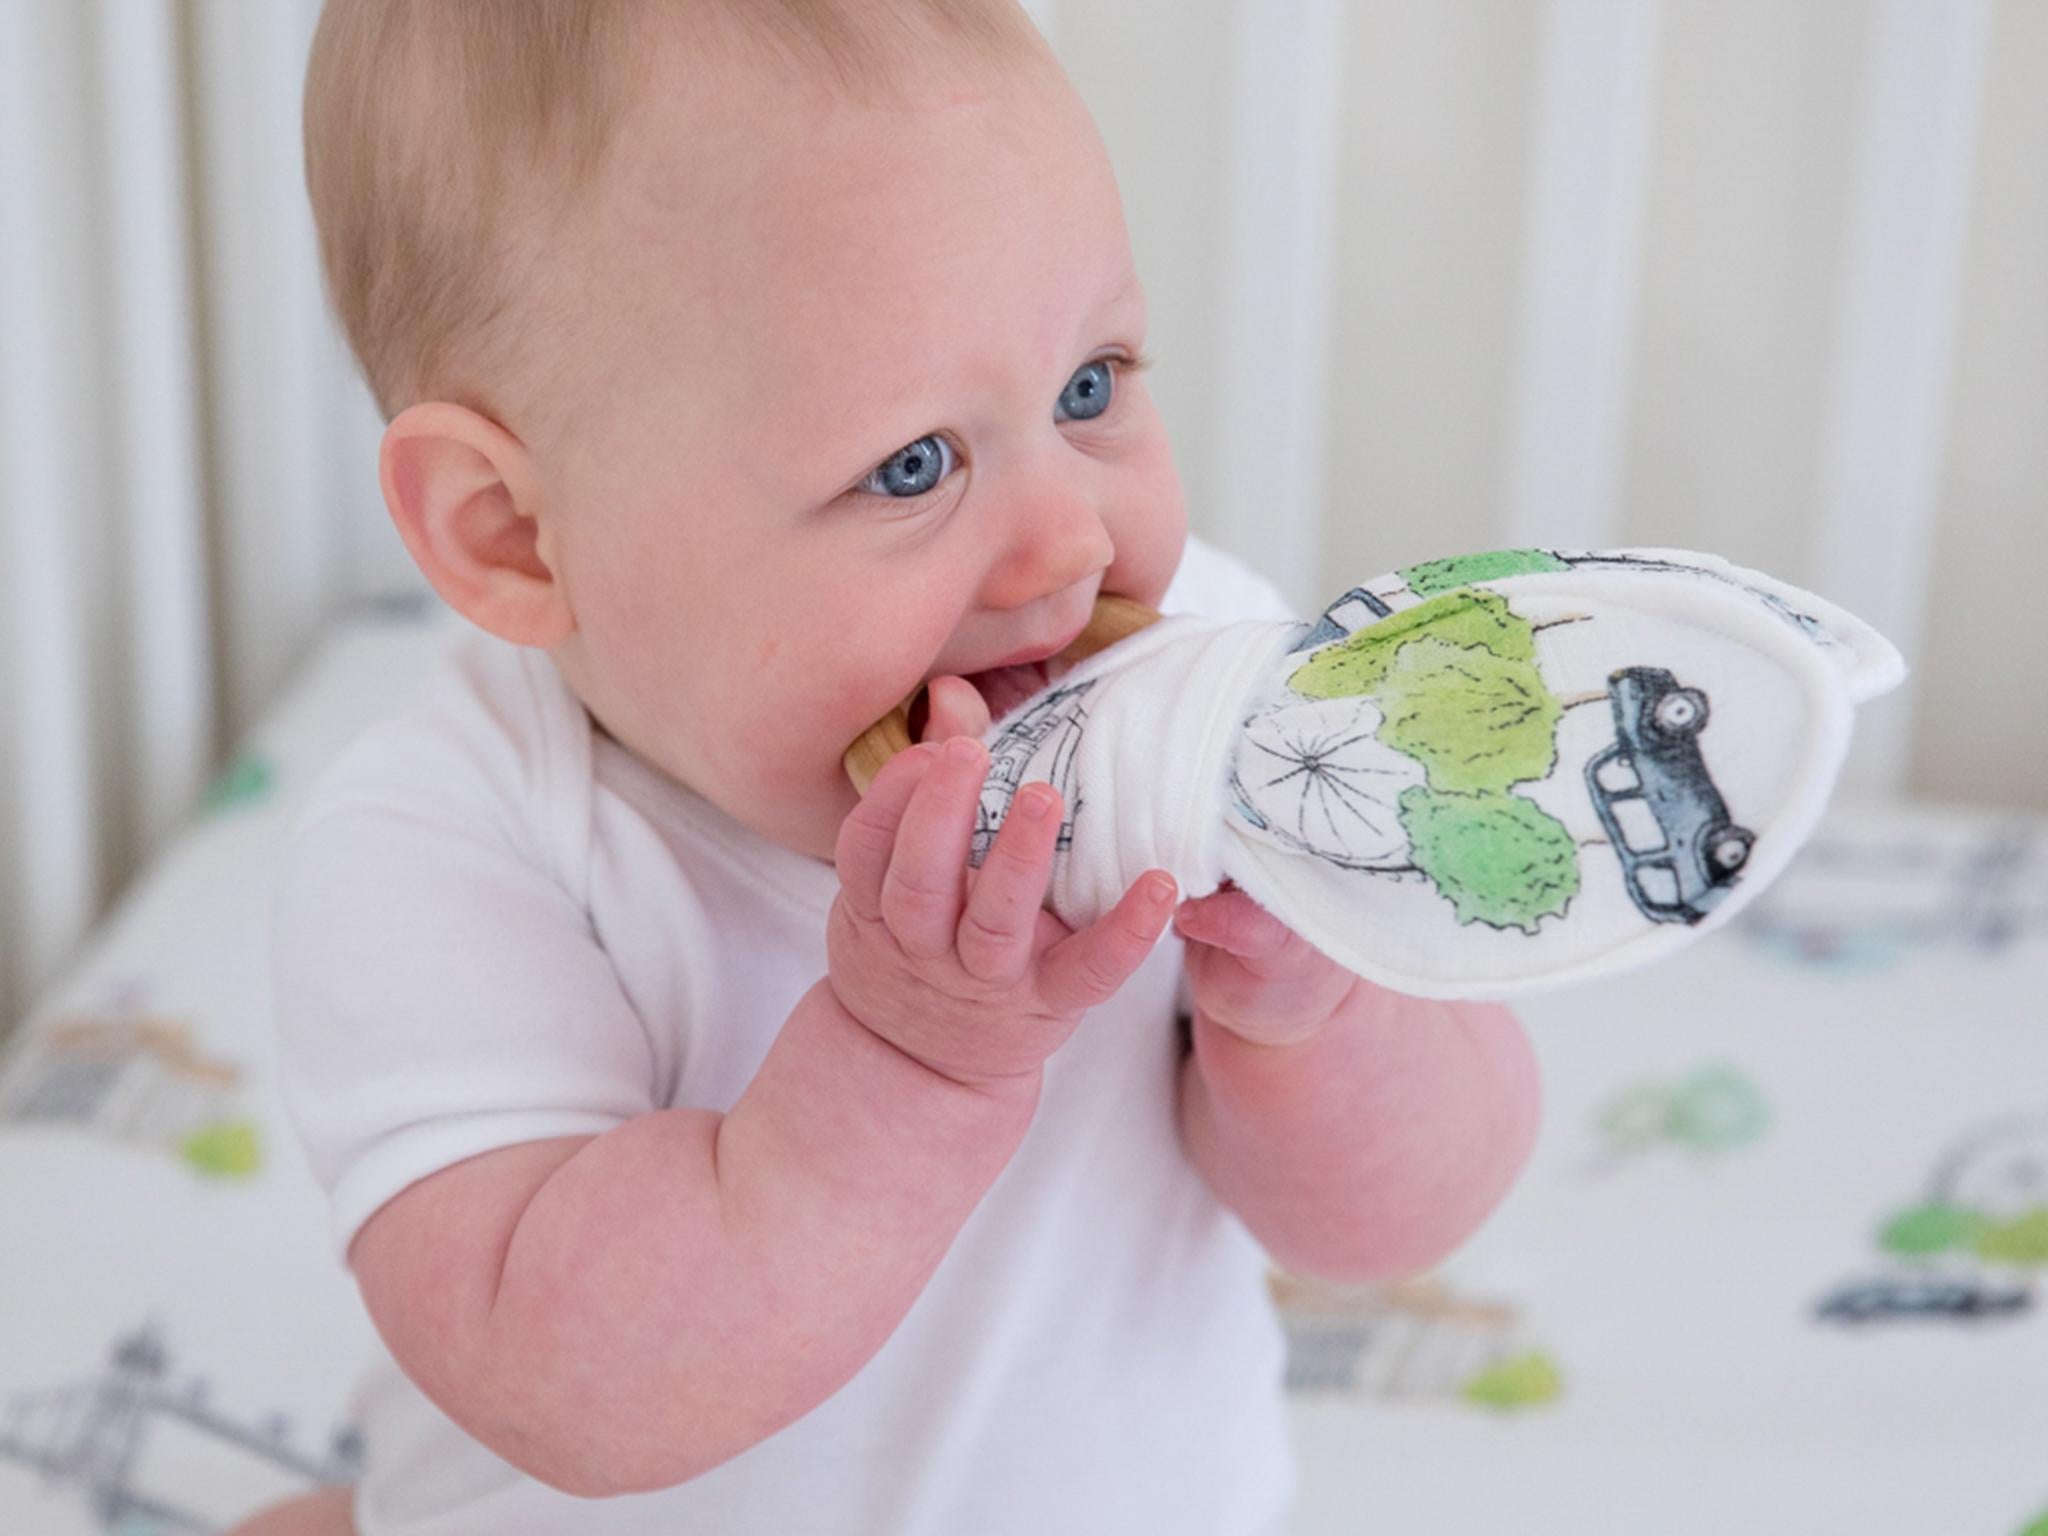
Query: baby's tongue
pixel 1004 688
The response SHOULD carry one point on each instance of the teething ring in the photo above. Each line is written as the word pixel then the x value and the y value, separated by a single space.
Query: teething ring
pixel 1114 619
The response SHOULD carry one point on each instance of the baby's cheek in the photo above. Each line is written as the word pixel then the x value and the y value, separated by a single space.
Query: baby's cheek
pixel 814 687
pixel 825 710
pixel 1150 541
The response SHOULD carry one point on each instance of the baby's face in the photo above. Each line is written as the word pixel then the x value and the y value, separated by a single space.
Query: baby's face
pixel 860 420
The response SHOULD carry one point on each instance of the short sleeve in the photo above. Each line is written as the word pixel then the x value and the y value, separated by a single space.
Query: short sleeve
pixel 1215 584
pixel 439 993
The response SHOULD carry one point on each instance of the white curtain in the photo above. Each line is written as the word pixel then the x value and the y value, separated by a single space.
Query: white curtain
pixel 187 480
pixel 1426 276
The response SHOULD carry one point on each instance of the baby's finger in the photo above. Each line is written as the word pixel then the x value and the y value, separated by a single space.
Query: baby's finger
pixel 1230 920
pixel 921 893
pixel 954 707
pixel 867 837
pixel 1086 969
pixel 1001 922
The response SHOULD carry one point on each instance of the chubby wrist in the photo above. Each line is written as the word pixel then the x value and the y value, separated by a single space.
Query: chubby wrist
pixel 891 1074
pixel 1374 1044
pixel 1272 1072
pixel 1283 1034
pixel 1374 1147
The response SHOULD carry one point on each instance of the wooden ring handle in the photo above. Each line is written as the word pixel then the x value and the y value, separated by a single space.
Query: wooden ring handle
pixel 1114 619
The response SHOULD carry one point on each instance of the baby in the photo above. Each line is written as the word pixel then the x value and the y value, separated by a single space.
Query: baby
pixel 714 1150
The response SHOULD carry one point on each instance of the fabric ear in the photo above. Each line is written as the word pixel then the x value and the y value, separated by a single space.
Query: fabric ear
pixel 1514 786
pixel 1870 664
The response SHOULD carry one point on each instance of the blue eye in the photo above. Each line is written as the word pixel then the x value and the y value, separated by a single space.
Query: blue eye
pixel 1087 392
pixel 911 471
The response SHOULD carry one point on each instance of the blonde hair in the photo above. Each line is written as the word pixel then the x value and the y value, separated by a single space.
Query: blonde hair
pixel 422 118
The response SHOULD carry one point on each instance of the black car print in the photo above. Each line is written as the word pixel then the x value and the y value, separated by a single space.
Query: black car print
pixel 1680 859
pixel 1906 1296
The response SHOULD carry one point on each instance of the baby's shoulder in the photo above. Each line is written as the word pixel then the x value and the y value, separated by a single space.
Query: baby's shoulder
pixel 494 746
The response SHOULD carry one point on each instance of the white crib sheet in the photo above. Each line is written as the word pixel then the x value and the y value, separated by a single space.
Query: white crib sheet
pixel 1778 1262
pixel 176 1339
pixel 1841 1100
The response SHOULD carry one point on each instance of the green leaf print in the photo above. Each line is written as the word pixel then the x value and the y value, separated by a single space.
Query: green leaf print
pixel 226 1149
pixel 1436 576
pixel 1715 1109
pixel 248 780
pixel 1931 1228
pixel 1354 667
pixel 1474 720
pixel 1718 1108
pixel 1637 1118
pixel 1521 1382
pixel 1497 858
pixel 2023 1241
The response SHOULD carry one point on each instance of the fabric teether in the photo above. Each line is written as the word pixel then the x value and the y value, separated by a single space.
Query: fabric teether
pixel 1479 777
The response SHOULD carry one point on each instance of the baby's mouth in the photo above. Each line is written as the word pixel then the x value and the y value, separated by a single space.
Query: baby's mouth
pixel 1002 689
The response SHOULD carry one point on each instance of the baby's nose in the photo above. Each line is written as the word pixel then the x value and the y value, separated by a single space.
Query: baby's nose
pixel 1059 540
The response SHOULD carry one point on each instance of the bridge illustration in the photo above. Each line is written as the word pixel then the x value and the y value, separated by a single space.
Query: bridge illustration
pixel 90 1437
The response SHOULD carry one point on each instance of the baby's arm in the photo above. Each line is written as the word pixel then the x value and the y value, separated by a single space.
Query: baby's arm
pixel 1359 1133
pixel 620 1313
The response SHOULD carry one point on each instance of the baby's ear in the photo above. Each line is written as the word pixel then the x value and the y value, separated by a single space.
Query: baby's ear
pixel 464 496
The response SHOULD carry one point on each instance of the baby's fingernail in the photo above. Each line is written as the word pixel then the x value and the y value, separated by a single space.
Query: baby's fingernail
pixel 1160 889
pixel 964 749
pixel 1032 804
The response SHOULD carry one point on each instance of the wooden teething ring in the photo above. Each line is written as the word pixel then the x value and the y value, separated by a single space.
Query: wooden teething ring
pixel 1114 619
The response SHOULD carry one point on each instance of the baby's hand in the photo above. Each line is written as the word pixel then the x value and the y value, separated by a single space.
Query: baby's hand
pixel 961 968
pixel 1254 975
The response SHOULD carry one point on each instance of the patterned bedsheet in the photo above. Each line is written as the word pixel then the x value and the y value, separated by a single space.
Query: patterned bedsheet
pixel 1780 1262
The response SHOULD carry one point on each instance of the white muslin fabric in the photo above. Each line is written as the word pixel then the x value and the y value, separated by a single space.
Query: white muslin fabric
pixel 1481 777
pixel 1137 741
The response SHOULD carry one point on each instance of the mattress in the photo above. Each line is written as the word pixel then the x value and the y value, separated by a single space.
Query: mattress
pixel 1778 1262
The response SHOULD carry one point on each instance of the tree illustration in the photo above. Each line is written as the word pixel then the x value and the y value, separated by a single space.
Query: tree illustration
pixel 1498 858
pixel 1713 1109
pixel 1357 665
pixel 1930 1228
pixel 1936 1227
pixel 1455 681
pixel 2021 1242
pixel 1436 576
pixel 1475 720
pixel 1523 1381
pixel 224 1149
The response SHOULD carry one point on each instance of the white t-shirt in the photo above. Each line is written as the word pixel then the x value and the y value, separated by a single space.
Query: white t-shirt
pixel 498 925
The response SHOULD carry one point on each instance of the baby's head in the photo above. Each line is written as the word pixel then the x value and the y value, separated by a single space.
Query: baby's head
pixel 757 359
